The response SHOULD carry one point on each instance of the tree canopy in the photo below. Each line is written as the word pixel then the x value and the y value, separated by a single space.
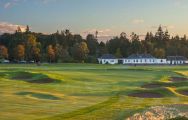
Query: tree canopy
pixel 63 46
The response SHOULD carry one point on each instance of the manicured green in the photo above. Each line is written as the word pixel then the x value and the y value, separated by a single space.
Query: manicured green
pixel 85 91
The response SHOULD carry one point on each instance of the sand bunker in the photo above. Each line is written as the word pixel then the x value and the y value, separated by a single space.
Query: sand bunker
pixel 146 95
pixel 184 92
pixel 39 95
pixel 178 79
pixel 43 81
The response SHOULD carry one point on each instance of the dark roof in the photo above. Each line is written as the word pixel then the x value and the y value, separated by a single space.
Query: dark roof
pixel 107 56
pixel 176 58
pixel 141 56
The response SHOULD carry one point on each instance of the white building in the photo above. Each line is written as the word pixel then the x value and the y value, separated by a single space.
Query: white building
pixel 108 59
pixel 176 60
pixel 143 59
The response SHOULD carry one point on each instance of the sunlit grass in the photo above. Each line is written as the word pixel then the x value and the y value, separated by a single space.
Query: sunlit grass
pixel 85 91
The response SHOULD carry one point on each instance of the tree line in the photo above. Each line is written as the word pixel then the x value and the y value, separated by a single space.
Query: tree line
pixel 64 46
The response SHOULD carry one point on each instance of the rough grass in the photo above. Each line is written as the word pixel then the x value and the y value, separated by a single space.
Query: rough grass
pixel 85 91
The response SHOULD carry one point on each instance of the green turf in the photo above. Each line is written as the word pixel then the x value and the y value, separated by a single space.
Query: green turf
pixel 85 91
pixel 39 95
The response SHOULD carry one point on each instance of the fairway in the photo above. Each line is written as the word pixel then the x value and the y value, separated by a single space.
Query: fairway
pixel 88 91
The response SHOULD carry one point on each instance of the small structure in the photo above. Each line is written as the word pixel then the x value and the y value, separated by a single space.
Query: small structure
pixel 176 60
pixel 143 59
pixel 5 61
pixel 108 59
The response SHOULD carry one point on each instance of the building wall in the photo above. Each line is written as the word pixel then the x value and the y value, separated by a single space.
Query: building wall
pixel 144 61
pixel 108 61
pixel 176 62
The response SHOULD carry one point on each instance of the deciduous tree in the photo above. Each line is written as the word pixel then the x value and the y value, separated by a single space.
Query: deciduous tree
pixel 3 52
pixel 20 52
pixel 80 51
pixel 51 53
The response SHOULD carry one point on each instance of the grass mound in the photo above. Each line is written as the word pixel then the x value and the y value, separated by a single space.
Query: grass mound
pixel 85 110
pixel 22 76
pixel 39 95
pixel 178 79
pixel 153 85
pixel 43 81
pixel 146 95
pixel 2 74
pixel 33 78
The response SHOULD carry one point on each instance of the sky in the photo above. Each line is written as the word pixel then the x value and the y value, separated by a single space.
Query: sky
pixel 108 17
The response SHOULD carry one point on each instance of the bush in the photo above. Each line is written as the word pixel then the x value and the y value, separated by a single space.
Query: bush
pixel 91 59
pixel 179 118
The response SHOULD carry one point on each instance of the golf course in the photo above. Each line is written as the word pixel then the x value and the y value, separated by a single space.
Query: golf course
pixel 89 91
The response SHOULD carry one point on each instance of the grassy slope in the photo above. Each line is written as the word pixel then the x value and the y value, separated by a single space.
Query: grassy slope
pixel 85 92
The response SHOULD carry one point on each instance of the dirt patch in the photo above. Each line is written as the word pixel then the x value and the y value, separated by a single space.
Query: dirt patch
pixel 178 79
pixel 152 85
pixel 146 95
pixel 184 92
pixel 43 81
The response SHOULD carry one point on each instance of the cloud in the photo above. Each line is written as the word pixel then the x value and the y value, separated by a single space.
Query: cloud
pixel 11 3
pixel 47 1
pixel 103 34
pixel 6 27
pixel 164 27
pixel 170 27
pixel 7 5
pixel 138 21
pixel 178 2
pixel 105 38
